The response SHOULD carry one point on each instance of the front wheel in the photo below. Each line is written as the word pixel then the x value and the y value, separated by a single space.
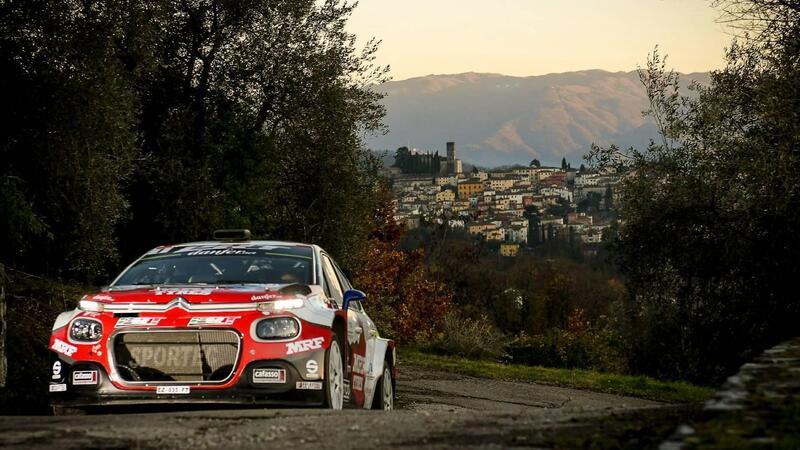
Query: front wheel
pixel 384 391
pixel 334 376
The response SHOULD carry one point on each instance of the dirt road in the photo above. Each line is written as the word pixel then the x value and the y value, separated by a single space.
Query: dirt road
pixel 436 410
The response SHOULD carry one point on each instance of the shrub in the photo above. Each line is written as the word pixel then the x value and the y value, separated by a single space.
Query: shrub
pixel 32 305
pixel 586 349
pixel 469 338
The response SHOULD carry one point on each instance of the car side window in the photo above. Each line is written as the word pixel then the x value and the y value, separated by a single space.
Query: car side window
pixel 331 280
pixel 346 285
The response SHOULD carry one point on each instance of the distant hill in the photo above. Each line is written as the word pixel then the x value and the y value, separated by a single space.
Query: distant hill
pixel 498 119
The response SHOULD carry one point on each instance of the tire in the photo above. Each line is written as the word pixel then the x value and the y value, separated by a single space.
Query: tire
pixel 333 386
pixel 384 391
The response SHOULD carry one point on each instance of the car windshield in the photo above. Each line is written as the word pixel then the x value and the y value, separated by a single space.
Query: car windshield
pixel 222 264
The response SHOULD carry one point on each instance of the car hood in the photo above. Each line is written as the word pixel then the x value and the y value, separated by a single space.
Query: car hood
pixel 197 294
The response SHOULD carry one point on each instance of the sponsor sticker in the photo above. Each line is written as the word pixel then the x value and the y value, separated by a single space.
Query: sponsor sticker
pixel 309 385
pixel 184 291
pixel 171 390
pixel 62 347
pixel 58 388
pixel 212 321
pixel 138 321
pixel 346 393
pixel 269 376
pixel 370 386
pixel 84 377
pixel 359 364
pixel 305 345
pixel 262 297
pixel 312 369
pixel 56 370
pixel 358 383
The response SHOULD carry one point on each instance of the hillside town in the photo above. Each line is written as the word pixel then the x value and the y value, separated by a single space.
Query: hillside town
pixel 516 208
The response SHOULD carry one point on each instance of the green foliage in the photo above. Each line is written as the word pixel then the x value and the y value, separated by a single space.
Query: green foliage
pixel 129 125
pixel 590 203
pixel 590 349
pixel 526 293
pixel 560 209
pixel 32 306
pixel 67 137
pixel 468 338
pixel 426 163
pixel 710 213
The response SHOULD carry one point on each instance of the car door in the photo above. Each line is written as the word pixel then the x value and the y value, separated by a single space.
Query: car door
pixel 365 349
pixel 355 341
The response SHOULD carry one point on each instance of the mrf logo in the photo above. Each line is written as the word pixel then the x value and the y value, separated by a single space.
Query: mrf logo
pixel 62 347
pixel 304 346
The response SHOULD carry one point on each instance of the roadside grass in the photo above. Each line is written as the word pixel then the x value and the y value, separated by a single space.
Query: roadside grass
pixel 629 385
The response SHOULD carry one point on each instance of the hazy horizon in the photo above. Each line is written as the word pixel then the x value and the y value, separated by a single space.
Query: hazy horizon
pixel 454 74
pixel 518 38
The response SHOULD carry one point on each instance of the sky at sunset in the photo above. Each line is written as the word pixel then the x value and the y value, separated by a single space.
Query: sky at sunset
pixel 534 37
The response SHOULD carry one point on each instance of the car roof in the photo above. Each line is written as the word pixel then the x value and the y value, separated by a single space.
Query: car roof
pixel 283 243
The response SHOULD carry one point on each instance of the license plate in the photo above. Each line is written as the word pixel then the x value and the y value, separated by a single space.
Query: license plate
pixel 172 390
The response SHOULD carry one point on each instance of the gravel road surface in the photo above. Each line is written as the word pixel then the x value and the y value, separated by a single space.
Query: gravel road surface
pixel 435 410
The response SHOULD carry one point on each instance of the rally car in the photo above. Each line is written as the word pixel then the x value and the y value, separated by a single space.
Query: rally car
pixel 230 320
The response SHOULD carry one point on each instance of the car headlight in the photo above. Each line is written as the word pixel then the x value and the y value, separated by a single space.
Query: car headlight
pixel 86 330
pixel 280 305
pixel 277 328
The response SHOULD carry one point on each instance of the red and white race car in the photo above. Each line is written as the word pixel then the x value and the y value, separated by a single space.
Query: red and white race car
pixel 232 320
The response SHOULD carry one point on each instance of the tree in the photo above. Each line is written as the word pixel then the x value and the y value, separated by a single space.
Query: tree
pixel 563 163
pixel 535 163
pixel 69 141
pixel 404 299
pixel 608 198
pixel 134 124
pixel 402 158
pixel 590 203
pixel 700 245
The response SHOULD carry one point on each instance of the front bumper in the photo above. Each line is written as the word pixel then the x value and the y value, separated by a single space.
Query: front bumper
pixel 64 391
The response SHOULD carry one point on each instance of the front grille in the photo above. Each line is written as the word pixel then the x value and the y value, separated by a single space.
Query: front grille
pixel 191 356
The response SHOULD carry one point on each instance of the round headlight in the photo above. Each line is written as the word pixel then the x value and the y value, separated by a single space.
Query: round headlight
pixel 277 328
pixel 86 330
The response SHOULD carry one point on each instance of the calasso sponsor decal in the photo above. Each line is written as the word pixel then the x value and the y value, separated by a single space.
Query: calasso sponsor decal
pixel 84 377
pixel 62 347
pixel 304 345
pixel 269 376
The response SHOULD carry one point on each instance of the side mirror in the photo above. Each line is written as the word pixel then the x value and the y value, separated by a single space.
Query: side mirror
pixel 352 295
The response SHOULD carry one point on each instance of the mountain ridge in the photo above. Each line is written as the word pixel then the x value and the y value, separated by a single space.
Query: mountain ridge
pixel 498 119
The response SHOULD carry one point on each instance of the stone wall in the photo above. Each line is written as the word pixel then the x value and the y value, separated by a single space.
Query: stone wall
pixel 759 407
